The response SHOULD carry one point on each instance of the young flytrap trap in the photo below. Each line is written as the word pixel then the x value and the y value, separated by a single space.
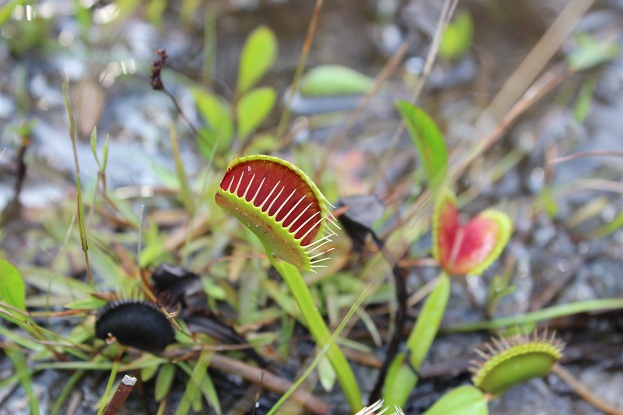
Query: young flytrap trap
pixel 205 313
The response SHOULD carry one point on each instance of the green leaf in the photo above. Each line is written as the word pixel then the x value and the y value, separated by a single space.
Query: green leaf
pixel 591 52
pixel 199 383
pixel 253 108
pixel 185 194
pixel 457 39
pixel 334 80
pixel 164 381
pixel 21 367
pixel 557 311
pixel 425 330
pixel 401 379
pixel 90 303
pixel 428 141
pixel 7 9
pixel 217 115
pixel 464 400
pixel 258 55
pixel 585 98
pixel 326 374
pixel 12 288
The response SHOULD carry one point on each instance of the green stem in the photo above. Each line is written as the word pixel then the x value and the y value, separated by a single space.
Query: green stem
pixel 402 376
pixel 540 315
pixel 319 330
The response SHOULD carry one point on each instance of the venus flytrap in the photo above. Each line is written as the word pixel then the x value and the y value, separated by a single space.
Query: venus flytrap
pixel 502 363
pixel 289 215
pixel 460 250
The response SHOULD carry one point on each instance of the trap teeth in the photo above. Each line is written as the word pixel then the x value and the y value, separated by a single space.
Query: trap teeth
pixel 280 204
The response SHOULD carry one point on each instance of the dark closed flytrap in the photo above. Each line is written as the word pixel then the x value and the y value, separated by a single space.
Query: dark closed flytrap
pixel 135 323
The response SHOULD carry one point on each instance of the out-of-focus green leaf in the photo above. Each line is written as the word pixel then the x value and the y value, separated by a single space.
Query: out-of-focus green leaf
pixel 185 194
pixel 199 381
pixel 464 400
pixel 258 55
pixel 401 379
pixel 585 97
pixel 12 288
pixel 548 201
pixel 7 9
pixel 155 10
pixel 164 381
pixel 21 367
pixel 217 115
pixel 326 374
pixel 428 141
pixel 334 80
pixel 90 303
pixel 253 108
pixel 457 39
pixel 591 52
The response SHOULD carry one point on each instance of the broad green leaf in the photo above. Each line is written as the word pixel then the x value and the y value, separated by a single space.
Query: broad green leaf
pixel 7 9
pixel 258 55
pixel 464 400
pixel 12 288
pixel 164 381
pixel 334 80
pixel 217 115
pixel 428 141
pixel 591 52
pixel 401 379
pixel 148 372
pixel 326 374
pixel 458 36
pixel 253 108
pixel 421 337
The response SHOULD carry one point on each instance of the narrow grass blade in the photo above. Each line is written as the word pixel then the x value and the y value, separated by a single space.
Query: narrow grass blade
pixel 541 315
pixel 21 367
pixel 185 193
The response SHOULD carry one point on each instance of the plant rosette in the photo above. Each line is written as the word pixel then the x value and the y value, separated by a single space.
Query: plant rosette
pixel 471 248
pixel 281 205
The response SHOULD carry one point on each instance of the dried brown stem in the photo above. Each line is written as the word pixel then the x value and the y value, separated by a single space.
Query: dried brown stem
pixel 121 394
pixel 311 30
pixel 268 381
pixel 584 392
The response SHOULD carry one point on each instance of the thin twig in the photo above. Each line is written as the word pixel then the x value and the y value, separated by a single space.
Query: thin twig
pixel 311 30
pixel 584 392
pixel 389 68
pixel 442 23
pixel 269 381
pixel 401 315
pixel 589 153
pixel 157 84
pixel 79 209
